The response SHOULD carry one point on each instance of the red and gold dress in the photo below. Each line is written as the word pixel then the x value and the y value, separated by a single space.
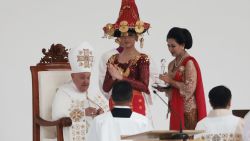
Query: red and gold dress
pixel 188 102
pixel 136 72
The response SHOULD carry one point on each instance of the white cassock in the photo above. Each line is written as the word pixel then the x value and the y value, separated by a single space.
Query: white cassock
pixel 220 125
pixel 246 130
pixel 105 127
pixel 69 102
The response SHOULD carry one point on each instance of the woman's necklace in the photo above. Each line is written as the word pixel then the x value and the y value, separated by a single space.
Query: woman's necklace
pixel 177 64
pixel 130 62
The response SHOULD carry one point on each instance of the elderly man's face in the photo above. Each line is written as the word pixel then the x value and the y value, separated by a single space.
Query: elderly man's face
pixel 81 80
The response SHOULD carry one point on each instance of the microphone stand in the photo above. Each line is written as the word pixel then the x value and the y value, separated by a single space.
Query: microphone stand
pixel 179 135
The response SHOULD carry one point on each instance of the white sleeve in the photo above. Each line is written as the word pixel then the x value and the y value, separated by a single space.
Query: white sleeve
pixel 153 68
pixel 149 126
pixel 246 130
pixel 109 131
pixel 199 126
pixel 93 134
pixel 60 105
pixel 104 131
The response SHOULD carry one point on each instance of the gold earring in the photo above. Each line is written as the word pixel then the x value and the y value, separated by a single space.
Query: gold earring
pixel 141 42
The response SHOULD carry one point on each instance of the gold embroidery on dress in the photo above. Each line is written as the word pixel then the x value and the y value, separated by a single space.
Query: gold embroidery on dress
pixel 188 89
pixel 181 68
pixel 131 62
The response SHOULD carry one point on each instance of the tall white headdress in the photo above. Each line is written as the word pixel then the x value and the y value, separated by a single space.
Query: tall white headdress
pixel 81 58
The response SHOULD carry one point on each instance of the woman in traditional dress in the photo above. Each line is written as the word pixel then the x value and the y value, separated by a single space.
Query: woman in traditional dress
pixel 186 94
pixel 130 65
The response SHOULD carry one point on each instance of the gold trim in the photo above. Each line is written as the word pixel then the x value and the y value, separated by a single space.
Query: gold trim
pixel 123 26
pixel 139 26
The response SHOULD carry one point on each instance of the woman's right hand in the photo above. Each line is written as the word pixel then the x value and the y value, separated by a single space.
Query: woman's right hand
pixel 165 77
pixel 114 72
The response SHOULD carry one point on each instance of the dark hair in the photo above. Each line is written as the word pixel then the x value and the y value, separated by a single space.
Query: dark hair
pixel 130 32
pixel 181 36
pixel 122 91
pixel 219 97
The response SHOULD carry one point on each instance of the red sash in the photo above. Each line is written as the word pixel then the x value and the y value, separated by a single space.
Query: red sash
pixel 177 103
pixel 137 105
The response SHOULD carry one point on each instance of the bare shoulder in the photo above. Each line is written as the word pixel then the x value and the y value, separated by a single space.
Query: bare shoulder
pixel 170 65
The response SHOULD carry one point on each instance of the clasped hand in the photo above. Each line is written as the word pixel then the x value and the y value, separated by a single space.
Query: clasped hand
pixel 114 72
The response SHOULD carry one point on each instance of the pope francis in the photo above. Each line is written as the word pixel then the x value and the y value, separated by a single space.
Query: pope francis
pixel 73 100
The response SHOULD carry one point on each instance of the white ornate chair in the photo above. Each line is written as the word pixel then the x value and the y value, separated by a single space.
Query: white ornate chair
pixel 52 71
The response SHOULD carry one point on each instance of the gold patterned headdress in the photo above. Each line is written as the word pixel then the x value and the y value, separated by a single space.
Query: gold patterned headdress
pixel 127 22
pixel 81 58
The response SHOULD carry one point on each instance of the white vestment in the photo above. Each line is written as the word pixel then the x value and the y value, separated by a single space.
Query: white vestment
pixel 246 130
pixel 69 102
pixel 105 127
pixel 220 125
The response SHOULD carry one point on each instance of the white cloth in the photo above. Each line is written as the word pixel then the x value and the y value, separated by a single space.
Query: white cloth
pixel 220 125
pixel 246 130
pixel 81 58
pixel 69 102
pixel 105 127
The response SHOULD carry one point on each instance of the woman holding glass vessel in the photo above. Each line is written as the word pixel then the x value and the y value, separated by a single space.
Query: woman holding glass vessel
pixel 186 93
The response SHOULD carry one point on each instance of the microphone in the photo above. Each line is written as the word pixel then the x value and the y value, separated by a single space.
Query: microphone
pixel 179 135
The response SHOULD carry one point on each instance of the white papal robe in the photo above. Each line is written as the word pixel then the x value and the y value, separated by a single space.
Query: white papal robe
pixel 246 130
pixel 105 127
pixel 69 102
pixel 220 125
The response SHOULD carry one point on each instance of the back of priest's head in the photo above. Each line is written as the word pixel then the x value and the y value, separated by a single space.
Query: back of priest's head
pixel 122 93
pixel 220 97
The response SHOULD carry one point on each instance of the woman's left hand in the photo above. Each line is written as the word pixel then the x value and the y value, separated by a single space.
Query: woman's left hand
pixel 114 72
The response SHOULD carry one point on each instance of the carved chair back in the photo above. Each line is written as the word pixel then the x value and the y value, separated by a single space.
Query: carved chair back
pixel 52 71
